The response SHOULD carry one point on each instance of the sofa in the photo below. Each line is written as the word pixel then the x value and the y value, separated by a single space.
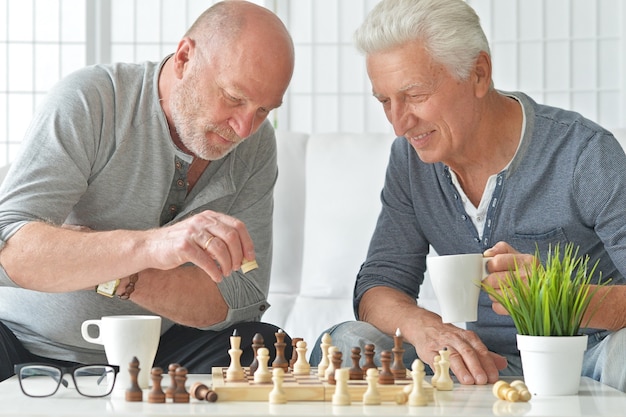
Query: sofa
pixel 326 206
pixel 326 203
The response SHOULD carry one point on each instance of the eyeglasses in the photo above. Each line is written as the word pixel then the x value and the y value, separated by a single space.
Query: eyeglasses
pixel 43 380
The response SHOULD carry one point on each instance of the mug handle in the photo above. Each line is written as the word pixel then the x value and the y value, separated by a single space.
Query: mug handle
pixel 84 329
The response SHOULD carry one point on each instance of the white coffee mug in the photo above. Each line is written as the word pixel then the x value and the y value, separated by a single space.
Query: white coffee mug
pixel 125 337
pixel 456 280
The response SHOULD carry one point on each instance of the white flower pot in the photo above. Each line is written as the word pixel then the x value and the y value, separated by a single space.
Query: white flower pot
pixel 552 365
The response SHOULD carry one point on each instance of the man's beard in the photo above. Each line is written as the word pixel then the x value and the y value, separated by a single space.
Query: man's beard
pixel 183 101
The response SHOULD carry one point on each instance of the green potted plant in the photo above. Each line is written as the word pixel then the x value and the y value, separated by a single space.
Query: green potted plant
pixel 548 303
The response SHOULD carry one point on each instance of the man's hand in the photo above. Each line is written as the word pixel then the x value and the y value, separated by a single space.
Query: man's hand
pixel 470 360
pixel 505 259
pixel 215 242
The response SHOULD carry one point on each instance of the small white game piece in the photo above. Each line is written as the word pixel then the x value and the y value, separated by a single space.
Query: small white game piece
pixel 371 396
pixel 331 368
pixel 235 371
pixel 248 266
pixel 417 397
pixel 436 371
pixel 444 382
pixel 302 366
pixel 341 395
pixel 324 345
pixel 277 395
pixel 262 373
pixel 522 389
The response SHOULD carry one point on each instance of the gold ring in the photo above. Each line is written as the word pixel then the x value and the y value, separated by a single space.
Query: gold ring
pixel 208 242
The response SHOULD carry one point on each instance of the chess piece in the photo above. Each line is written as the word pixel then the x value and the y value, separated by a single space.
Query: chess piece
pixel 397 367
pixel 341 395
pixel 417 396
pixel 371 396
pixel 262 374
pixel 201 392
pixel 181 395
pixel 257 342
pixel 330 369
pixel 277 395
pixel 301 365
pixel 385 377
pixel 156 394
pixel 444 382
pixel 235 371
pixel 337 359
pixel 133 392
pixel 369 357
pixel 280 361
pixel 503 391
pixel 323 364
pixel 294 351
pixel 522 389
pixel 436 371
pixel 171 371
pixel 356 373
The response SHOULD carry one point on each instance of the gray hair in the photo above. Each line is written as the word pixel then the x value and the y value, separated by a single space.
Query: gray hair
pixel 450 30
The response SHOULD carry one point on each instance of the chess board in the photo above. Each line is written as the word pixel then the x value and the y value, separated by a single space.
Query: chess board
pixel 300 388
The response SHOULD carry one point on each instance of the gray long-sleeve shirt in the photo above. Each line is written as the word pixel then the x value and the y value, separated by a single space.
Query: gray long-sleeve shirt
pixel 567 182
pixel 99 154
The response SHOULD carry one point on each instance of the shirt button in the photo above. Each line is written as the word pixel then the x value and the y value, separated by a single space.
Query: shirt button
pixel 173 209
pixel 262 307
pixel 180 183
pixel 464 217
pixel 178 165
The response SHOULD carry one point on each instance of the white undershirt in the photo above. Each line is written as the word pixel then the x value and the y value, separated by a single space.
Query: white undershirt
pixel 478 214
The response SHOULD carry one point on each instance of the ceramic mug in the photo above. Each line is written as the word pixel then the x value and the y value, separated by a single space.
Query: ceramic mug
pixel 123 338
pixel 456 280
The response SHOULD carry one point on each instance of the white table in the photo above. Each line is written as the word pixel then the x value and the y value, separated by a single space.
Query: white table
pixel 594 399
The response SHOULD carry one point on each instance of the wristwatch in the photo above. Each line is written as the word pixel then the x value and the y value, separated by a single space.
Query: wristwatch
pixel 108 289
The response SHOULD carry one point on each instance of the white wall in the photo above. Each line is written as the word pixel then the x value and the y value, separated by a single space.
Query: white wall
pixel 569 53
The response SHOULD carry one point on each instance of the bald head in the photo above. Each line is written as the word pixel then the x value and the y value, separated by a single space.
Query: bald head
pixel 227 24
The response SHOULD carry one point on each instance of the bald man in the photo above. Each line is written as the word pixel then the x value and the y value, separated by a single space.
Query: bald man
pixel 143 189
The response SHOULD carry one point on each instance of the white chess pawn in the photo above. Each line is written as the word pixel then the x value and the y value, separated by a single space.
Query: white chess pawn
pixel 262 374
pixel 371 396
pixel 324 345
pixel 302 366
pixel 341 395
pixel 331 368
pixel 277 395
pixel 436 371
pixel 235 370
pixel 417 396
pixel 444 382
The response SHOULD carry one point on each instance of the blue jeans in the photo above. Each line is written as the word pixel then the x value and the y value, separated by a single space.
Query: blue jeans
pixel 604 360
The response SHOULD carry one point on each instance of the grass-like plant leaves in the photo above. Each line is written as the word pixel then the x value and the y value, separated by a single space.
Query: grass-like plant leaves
pixel 554 298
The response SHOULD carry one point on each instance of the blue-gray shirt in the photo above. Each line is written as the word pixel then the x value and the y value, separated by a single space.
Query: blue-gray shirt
pixel 566 183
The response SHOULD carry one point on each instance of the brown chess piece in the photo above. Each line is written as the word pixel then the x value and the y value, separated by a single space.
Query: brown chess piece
pixel 356 373
pixel 181 395
pixel 171 371
pixel 369 358
pixel 385 377
pixel 397 367
pixel 201 392
pixel 134 393
pixel 257 343
pixel 294 351
pixel 156 394
pixel 280 361
pixel 337 359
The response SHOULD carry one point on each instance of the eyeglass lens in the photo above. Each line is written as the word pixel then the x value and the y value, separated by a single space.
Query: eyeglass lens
pixel 90 380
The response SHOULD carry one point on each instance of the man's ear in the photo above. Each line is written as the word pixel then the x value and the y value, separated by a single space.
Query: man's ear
pixel 182 56
pixel 482 74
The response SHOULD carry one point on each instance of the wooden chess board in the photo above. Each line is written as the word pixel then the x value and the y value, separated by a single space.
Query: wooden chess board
pixel 300 388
